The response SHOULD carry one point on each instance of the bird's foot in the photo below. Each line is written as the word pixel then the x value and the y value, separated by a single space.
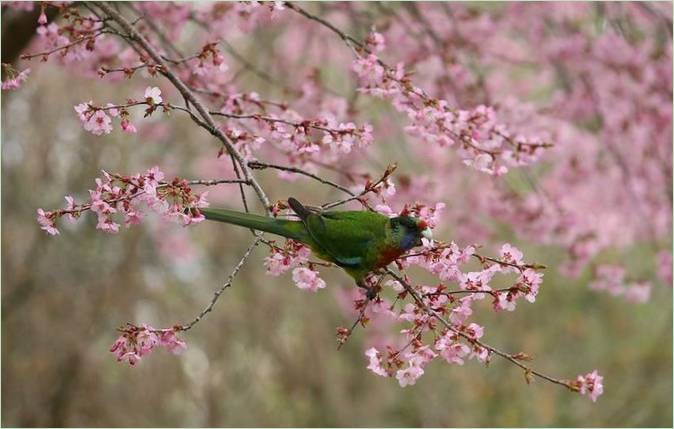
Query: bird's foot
pixel 372 292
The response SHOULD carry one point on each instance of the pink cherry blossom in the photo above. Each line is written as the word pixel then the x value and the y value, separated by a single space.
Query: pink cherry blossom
pixel 375 364
pixel 307 279
pixel 98 123
pixel 137 342
pixel 453 351
pixel 409 376
pixel 169 340
pixel 511 254
pixel 281 260
pixel 591 384
pixel 638 292
pixel 16 81
pixel 531 280
pixel 376 41
pixel 664 269
pixel 475 331
pixel 82 109
pixel 153 95
pixel 46 221
pixel 128 127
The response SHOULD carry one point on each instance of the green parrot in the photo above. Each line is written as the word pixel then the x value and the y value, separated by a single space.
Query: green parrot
pixel 358 241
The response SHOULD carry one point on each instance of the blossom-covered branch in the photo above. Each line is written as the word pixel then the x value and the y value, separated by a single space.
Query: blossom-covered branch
pixel 129 196
pixel 484 143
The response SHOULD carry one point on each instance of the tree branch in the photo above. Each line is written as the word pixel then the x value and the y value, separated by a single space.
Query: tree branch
pixel 188 95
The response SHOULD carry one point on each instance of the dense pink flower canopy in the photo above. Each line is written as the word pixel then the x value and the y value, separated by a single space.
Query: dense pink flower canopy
pixel 553 119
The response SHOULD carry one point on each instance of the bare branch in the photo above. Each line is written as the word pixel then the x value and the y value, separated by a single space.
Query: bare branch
pixel 222 288
pixel 257 165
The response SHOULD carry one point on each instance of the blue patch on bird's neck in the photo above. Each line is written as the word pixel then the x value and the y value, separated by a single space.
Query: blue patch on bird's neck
pixel 408 241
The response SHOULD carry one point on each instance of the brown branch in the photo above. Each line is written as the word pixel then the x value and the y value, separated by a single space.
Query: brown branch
pixel 369 187
pixel 350 41
pixel 47 53
pixel 257 165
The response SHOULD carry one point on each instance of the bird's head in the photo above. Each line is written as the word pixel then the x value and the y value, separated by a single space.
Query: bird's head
pixel 410 230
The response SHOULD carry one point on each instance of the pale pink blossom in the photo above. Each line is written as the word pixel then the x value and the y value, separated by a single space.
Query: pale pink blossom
pixel 375 364
pixel 308 279
pixel 153 95
pixel 98 123
pixel 591 384
pixel 385 210
pixel 71 206
pixel 82 109
pixel 531 280
pixel 137 342
pixel 504 301
pixel 409 376
pixel 376 41
pixel 16 81
pixel 46 221
pixel 475 331
pixel 112 110
pixel 453 351
pixel 664 267
pixel 511 254
pixel 128 127
pixel 169 340
pixel 638 292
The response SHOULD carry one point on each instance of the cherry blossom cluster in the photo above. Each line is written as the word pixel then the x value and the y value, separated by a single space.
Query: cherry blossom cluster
pixel 436 318
pixel 302 140
pixel 137 342
pixel 609 115
pixel 294 255
pixel 590 384
pixel 119 198
pixel 78 41
pixel 13 80
pixel 98 120
pixel 611 279
pixel 484 144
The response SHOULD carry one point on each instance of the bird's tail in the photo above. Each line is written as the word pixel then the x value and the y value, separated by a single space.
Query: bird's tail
pixel 298 208
pixel 282 227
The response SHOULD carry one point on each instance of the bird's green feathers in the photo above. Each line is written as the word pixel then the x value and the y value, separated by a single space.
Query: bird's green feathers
pixel 285 228
pixel 358 241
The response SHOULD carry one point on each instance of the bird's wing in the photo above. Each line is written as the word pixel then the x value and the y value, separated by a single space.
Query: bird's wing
pixel 345 236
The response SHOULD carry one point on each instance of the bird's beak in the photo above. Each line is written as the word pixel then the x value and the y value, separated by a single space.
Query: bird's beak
pixel 427 233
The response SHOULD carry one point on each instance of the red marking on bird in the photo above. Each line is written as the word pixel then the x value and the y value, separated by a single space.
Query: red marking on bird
pixel 388 255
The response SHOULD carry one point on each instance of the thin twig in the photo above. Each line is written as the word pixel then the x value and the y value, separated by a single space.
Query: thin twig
pixel 257 165
pixel 222 288
pixel 368 188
